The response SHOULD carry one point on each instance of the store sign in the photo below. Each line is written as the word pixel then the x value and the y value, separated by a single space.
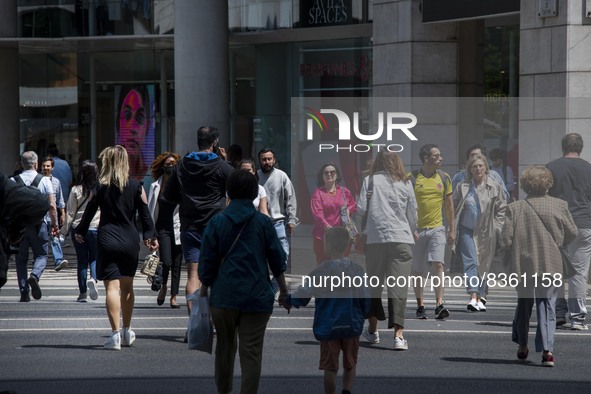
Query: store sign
pixel 359 69
pixel 315 13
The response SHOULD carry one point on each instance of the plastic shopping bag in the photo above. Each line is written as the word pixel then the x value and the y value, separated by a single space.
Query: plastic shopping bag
pixel 200 331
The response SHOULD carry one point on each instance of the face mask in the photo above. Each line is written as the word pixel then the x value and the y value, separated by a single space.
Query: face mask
pixel 168 170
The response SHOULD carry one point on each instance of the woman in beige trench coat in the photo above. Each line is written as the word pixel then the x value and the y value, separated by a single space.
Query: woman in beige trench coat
pixel 480 211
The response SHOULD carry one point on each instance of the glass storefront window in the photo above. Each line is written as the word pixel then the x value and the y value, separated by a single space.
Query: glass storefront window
pixel 339 68
pixel 71 18
pixel 257 15
pixel 75 101
pixel 49 104
pixel 501 89
pixel 265 77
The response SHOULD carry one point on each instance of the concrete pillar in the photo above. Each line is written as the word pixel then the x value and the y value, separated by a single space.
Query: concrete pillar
pixel 412 59
pixel 9 90
pixel 201 71
pixel 554 69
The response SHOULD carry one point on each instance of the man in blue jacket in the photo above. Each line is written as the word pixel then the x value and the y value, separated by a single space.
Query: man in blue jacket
pixel 198 185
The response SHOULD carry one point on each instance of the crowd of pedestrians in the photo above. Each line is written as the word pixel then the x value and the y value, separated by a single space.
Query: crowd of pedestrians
pixel 231 224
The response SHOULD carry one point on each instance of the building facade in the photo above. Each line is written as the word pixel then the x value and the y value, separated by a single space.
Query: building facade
pixel 236 64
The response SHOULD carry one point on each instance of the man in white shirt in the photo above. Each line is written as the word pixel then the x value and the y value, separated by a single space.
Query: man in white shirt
pixel 282 200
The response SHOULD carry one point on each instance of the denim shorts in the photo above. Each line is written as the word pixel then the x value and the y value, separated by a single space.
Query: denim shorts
pixel 191 244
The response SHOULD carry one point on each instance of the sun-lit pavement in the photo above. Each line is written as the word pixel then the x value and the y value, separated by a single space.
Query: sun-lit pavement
pixel 54 345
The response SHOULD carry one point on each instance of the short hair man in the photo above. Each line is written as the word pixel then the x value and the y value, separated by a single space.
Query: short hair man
pixel 61 170
pixel 474 150
pixel 47 166
pixel 572 183
pixel 281 196
pixel 19 209
pixel 433 192
pixel 501 168
pixel 198 184
pixel 35 237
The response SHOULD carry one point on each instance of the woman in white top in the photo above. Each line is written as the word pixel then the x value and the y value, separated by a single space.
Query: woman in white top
pixel 80 195
pixel 391 222
pixel 261 202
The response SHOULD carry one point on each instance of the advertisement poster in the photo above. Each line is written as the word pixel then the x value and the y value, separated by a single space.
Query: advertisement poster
pixel 135 125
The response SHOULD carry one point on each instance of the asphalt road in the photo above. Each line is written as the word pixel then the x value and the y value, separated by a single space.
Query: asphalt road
pixel 54 345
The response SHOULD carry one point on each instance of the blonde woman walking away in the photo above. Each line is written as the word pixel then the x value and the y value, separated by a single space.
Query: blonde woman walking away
pixel 119 199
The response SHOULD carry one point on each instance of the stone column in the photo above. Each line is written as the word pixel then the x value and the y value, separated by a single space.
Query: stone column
pixel 412 59
pixel 9 90
pixel 201 71
pixel 556 71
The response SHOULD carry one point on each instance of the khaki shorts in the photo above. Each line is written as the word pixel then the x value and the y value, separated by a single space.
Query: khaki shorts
pixel 430 247
pixel 329 353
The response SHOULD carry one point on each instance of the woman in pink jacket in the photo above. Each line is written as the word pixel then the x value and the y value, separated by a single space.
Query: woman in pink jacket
pixel 329 202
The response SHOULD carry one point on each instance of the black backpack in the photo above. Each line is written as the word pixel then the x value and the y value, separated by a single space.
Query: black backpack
pixel 20 207
pixel 18 179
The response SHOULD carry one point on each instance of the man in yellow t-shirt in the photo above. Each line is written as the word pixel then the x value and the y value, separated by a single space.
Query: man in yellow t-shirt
pixel 433 192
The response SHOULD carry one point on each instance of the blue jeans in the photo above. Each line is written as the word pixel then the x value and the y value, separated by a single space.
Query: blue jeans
pixel 56 250
pixel 545 300
pixel 86 255
pixel 284 241
pixel 282 235
pixel 575 306
pixel 38 241
pixel 470 262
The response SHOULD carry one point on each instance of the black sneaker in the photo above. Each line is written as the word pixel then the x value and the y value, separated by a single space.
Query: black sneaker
pixel 25 297
pixel 35 289
pixel 441 312
pixel 421 313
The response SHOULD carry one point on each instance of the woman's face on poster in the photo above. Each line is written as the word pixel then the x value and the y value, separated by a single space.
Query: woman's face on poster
pixel 133 125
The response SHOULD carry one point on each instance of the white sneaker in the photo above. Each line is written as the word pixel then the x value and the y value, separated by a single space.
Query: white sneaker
pixel 127 337
pixel 114 342
pixel 61 265
pixel 371 338
pixel 473 306
pixel 481 306
pixel 400 343
pixel 92 291
pixel 578 326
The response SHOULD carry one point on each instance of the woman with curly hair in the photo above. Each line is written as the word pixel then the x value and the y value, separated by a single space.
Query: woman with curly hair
pixel 168 226
pixel 533 230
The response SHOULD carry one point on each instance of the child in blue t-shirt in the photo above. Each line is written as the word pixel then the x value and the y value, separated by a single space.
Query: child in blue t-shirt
pixel 342 304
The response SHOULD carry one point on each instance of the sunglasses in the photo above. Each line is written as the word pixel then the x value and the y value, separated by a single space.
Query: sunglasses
pixel 330 172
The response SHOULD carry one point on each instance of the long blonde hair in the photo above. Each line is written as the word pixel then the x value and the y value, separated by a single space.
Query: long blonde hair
pixel 115 167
